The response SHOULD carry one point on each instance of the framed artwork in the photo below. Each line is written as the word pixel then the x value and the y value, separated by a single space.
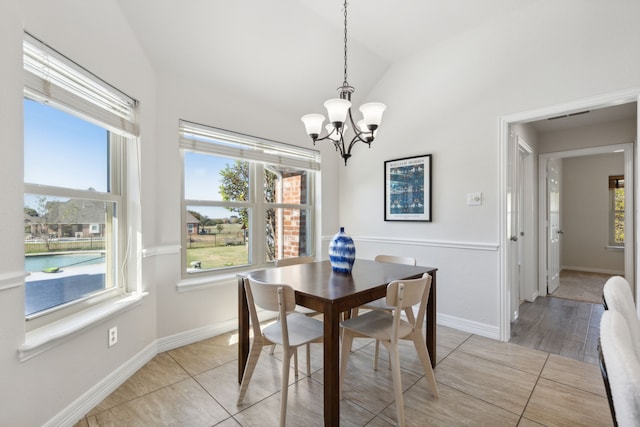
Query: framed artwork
pixel 407 189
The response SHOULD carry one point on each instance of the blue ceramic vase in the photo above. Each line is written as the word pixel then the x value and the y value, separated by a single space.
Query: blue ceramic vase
pixel 342 252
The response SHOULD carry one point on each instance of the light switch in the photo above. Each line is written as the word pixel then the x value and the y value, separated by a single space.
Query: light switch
pixel 474 199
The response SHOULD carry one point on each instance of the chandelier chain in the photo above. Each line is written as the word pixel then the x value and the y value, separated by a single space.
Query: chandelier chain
pixel 345 44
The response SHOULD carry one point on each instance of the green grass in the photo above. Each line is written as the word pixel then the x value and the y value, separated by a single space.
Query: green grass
pixel 219 256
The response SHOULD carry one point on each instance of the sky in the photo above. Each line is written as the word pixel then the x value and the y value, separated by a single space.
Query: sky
pixel 65 151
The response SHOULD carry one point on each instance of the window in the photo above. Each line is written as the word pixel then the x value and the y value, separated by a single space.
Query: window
pixel 236 185
pixel 616 210
pixel 76 130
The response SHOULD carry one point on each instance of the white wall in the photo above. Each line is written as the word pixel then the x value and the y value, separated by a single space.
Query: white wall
pixel 596 135
pixel 585 213
pixel 447 102
pixel 95 35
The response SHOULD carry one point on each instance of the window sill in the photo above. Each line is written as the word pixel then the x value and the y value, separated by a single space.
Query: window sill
pixel 49 336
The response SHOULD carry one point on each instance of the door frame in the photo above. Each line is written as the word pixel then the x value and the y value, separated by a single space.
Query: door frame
pixel 543 159
pixel 504 129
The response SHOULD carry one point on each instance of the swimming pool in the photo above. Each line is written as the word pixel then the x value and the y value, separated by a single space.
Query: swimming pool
pixel 35 263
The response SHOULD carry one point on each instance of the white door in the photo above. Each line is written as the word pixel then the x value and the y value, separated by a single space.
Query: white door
pixel 553 224
pixel 517 237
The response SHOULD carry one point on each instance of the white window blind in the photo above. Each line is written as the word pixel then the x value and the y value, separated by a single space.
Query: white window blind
pixel 234 145
pixel 50 77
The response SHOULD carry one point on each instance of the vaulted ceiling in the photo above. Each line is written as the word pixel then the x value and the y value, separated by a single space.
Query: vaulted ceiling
pixel 289 53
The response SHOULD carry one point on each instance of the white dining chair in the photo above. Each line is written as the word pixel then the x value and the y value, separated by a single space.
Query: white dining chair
pixel 381 304
pixel 617 296
pixel 389 327
pixel 283 262
pixel 622 373
pixel 290 331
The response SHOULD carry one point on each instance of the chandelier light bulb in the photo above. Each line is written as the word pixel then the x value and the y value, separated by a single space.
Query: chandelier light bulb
pixel 313 124
pixel 337 110
pixel 372 114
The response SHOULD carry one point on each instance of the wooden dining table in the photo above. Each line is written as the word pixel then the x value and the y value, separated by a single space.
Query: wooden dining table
pixel 319 288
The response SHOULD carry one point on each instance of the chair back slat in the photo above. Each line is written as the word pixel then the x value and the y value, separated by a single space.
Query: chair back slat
pixel 265 296
pixel 413 291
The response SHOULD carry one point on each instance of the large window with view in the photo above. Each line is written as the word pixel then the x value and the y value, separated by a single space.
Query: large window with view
pixel 76 129
pixel 247 201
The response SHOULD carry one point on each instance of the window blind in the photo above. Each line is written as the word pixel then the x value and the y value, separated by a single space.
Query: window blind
pixel 616 181
pixel 50 77
pixel 201 138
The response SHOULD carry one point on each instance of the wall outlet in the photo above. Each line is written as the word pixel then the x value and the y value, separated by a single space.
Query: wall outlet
pixel 113 336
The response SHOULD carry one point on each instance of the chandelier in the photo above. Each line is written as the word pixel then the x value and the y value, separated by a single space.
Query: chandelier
pixel 341 119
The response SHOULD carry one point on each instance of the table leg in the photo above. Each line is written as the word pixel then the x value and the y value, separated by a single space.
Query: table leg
pixel 431 321
pixel 243 329
pixel 331 366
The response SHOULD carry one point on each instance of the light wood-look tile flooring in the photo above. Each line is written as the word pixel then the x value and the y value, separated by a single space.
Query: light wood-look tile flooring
pixel 482 382
pixel 559 326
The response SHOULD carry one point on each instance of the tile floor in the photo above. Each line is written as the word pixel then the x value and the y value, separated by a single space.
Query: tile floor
pixel 482 382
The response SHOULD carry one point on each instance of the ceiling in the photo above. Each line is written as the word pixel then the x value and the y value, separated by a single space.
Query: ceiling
pixel 288 54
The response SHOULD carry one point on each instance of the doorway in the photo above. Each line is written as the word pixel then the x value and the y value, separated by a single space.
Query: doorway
pixel 509 251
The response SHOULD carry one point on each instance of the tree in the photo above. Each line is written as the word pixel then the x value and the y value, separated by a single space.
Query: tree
pixel 234 186
pixel 40 220
pixel 219 227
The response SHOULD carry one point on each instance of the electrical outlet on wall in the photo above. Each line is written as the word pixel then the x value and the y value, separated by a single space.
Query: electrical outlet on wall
pixel 113 336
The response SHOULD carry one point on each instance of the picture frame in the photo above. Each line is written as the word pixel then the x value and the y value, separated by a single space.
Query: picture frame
pixel 407 189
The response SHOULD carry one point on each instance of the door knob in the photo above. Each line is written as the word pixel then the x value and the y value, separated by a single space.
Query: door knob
pixel 514 238
pixel 560 232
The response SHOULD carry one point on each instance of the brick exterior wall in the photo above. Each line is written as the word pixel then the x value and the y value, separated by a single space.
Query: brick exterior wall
pixel 293 223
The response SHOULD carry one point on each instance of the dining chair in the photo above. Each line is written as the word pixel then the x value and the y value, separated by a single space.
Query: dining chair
pixel 389 327
pixel 617 296
pixel 283 262
pixel 622 368
pixel 290 331
pixel 381 304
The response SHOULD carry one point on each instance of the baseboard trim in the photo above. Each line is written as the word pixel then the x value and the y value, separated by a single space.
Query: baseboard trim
pixel 593 270
pixel 195 335
pixel 470 326
pixel 202 333
pixel 85 403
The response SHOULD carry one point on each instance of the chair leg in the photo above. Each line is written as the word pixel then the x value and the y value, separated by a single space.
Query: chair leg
pixel 295 362
pixel 284 386
pixel 254 355
pixel 308 360
pixel 375 356
pixel 347 341
pixel 273 348
pixel 394 358
pixel 423 355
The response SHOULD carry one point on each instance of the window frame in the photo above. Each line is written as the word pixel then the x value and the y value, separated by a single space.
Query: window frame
pixel 615 182
pixel 55 80
pixel 251 150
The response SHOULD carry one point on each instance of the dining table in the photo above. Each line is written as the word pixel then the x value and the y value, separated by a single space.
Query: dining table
pixel 319 288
